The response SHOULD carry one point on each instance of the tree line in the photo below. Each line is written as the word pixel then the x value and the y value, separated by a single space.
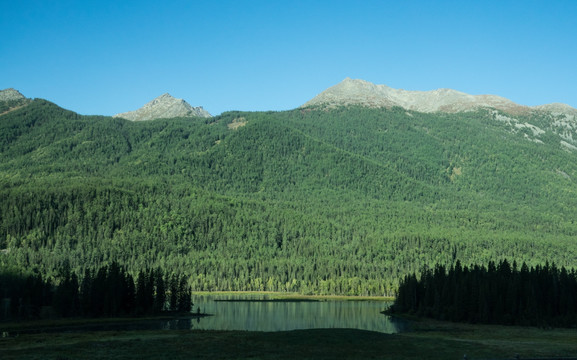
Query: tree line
pixel 543 295
pixel 108 292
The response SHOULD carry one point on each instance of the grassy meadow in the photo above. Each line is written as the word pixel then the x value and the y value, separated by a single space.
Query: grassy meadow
pixel 428 340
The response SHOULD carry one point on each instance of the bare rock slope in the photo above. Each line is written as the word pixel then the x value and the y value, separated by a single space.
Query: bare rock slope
pixel 163 107
pixel 11 94
pixel 364 93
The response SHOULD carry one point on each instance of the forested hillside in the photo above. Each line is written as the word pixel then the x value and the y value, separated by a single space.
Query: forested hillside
pixel 345 201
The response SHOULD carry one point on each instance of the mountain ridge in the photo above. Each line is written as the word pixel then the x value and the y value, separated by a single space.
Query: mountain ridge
pixel 163 107
pixel 364 93
pixel 350 92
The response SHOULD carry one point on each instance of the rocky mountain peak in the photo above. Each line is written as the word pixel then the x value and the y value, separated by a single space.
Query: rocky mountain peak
pixel 364 93
pixel 163 107
pixel 11 94
pixel 354 92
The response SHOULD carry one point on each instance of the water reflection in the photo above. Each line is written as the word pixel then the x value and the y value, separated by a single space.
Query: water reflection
pixel 255 316
pixel 285 315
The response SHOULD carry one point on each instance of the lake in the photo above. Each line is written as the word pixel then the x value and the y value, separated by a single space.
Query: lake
pixel 263 315
pixel 255 312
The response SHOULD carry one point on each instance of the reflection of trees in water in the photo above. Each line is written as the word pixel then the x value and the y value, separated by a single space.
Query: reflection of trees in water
pixel 286 315
pixel 262 316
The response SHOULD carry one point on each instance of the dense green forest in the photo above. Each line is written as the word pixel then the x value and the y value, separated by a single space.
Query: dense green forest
pixel 109 291
pixel 499 293
pixel 346 201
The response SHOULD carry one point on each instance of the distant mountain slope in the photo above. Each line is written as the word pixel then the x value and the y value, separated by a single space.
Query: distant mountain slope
pixel 344 200
pixel 163 107
pixel 360 92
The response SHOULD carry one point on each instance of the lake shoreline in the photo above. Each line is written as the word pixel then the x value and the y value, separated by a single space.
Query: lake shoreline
pixel 293 296
pixel 51 325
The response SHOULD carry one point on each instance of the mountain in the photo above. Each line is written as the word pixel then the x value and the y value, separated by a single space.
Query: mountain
pixel 11 95
pixel 163 107
pixel 364 93
pixel 343 200
pixel 560 119
pixel 11 99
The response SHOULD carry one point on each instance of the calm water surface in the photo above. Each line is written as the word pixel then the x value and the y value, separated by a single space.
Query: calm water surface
pixel 289 315
pixel 257 315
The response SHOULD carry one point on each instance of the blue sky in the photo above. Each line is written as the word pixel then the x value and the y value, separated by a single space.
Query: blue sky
pixel 105 57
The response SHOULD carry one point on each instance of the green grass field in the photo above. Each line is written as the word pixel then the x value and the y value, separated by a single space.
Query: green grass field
pixel 428 340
